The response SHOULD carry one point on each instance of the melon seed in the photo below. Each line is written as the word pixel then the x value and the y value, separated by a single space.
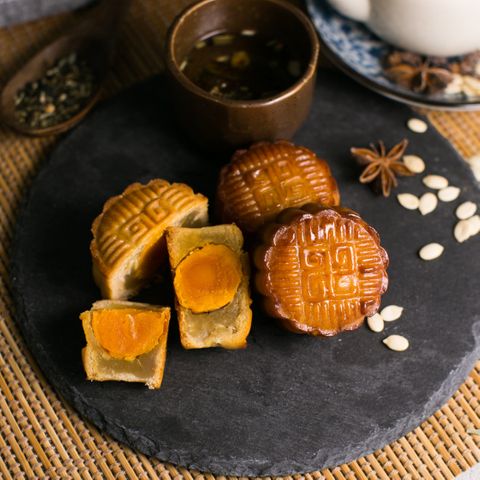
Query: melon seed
pixel 474 161
pixel 431 251
pixel 474 224
pixel 414 164
pixel 428 203
pixel 391 313
pixel 375 323
pixel 466 210
pixel 396 342
pixel 448 194
pixel 465 229
pixel 409 201
pixel 461 232
pixel 416 125
pixel 437 182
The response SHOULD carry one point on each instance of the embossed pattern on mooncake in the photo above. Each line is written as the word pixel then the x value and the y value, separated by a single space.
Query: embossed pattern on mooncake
pixel 131 229
pixel 321 270
pixel 130 217
pixel 260 182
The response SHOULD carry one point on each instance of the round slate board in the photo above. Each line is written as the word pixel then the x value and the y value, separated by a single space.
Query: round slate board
pixel 287 403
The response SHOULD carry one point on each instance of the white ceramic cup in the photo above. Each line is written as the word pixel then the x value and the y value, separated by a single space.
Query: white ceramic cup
pixel 429 27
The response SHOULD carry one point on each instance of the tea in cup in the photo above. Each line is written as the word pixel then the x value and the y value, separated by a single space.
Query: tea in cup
pixel 207 47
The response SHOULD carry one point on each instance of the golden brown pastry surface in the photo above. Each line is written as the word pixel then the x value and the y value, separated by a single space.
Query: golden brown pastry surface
pixel 321 270
pixel 126 341
pixel 212 293
pixel 260 182
pixel 129 235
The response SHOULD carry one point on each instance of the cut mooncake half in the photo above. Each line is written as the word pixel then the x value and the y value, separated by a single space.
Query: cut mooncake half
pixel 126 341
pixel 128 245
pixel 211 276
pixel 321 270
pixel 260 182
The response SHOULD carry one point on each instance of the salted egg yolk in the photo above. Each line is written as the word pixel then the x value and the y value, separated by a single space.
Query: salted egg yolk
pixel 208 278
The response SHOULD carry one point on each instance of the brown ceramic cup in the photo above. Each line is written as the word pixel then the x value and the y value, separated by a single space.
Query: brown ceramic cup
pixel 217 123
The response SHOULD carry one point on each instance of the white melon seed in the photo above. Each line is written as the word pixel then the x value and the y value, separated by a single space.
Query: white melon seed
pixel 448 194
pixel 474 225
pixel 414 164
pixel 466 210
pixel 461 232
pixel 467 228
pixel 391 313
pixel 455 86
pixel 428 203
pixel 375 323
pixel 431 251
pixel 409 201
pixel 396 342
pixel 474 161
pixel 416 125
pixel 476 173
pixel 437 182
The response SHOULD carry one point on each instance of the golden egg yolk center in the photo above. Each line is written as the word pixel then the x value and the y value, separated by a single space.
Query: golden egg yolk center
pixel 208 278
pixel 126 332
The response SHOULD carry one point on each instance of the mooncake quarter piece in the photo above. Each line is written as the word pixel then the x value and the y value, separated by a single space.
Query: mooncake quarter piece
pixel 321 270
pixel 211 277
pixel 260 182
pixel 126 341
pixel 128 245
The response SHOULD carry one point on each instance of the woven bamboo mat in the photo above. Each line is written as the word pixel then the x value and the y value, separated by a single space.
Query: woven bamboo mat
pixel 41 436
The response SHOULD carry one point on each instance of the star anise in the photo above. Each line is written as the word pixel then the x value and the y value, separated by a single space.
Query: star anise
pixel 382 167
pixel 427 75
pixel 470 64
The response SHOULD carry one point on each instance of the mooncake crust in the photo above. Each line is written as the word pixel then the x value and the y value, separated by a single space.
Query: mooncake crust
pixel 268 177
pixel 228 326
pixel 147 368
pixel 320 270
pixel 128 245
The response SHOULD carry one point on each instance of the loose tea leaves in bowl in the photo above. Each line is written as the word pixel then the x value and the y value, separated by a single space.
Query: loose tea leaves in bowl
pixel 57 96
pixel 242 66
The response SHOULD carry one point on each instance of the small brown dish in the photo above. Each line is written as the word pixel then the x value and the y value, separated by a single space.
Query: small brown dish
pixel 218 121
pixel 93 40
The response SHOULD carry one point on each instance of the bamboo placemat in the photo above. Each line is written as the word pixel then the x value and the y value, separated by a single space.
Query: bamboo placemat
pixel 41 436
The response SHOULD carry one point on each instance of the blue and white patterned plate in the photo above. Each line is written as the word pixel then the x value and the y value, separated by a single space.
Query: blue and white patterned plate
pixel 357 51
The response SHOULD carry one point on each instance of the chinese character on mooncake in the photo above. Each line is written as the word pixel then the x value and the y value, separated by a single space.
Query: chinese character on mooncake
pixel 126 341
pixel 211 275
pixel 321 270
pixel 128 243
pixel 260 182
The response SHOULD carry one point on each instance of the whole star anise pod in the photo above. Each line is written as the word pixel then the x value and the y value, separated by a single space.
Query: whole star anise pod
pixel 382 167
pixel 430 75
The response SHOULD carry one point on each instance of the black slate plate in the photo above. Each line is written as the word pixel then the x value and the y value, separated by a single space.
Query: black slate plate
pixel 288 403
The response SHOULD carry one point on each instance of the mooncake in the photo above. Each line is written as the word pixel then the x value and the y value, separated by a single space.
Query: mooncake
pixel 128 245
pixel 211 276
pixel 125 341
pixel 321 270
pixel 260 182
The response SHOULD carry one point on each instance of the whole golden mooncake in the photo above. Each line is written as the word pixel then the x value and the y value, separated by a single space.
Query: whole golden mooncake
pixel 126 341
pixel 211 279
pixel 321 270
pixel 260 182
pixel 128 243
